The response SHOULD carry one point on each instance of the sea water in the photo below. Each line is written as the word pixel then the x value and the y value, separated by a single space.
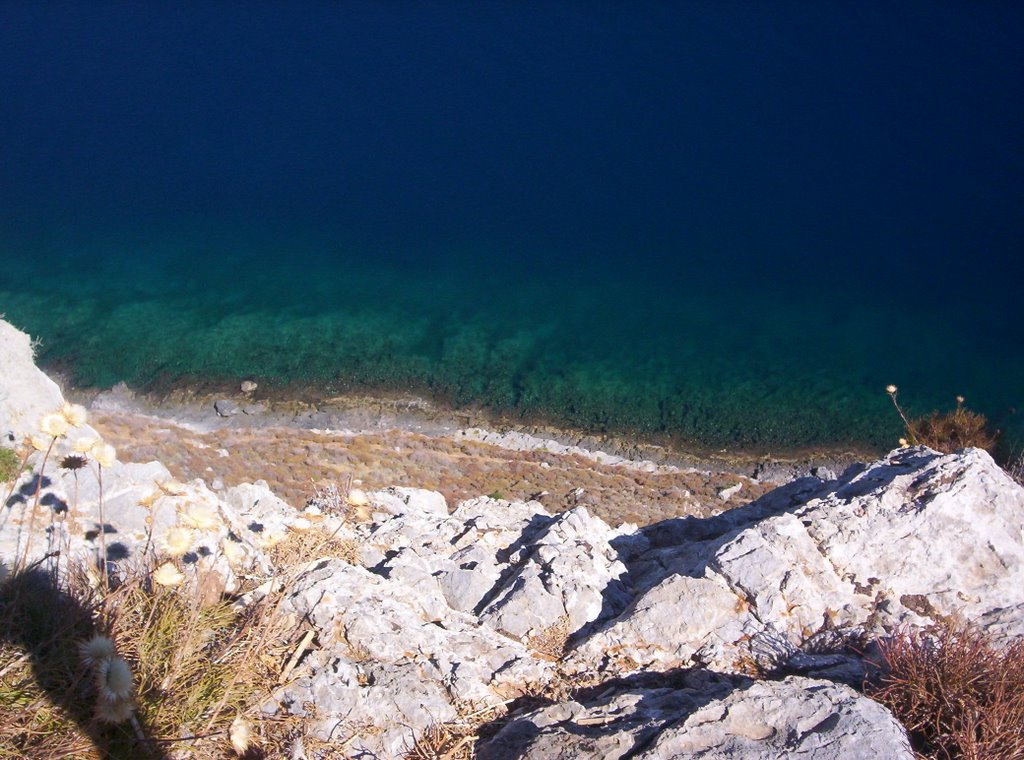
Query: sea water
pixel 732 223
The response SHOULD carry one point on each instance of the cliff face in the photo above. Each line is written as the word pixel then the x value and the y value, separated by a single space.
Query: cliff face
pixel 431 613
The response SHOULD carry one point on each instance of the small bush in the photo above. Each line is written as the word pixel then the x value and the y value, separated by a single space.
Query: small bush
pixel 958 694
pixel 9 465
pixel 947 431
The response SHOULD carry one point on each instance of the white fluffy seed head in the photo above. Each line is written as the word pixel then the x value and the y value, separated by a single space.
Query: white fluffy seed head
pixel 115 680
pixel 177 541
pixel 200 517
pixel 74 414
pixel 168 575
pixel 114 712
pixel 240 735
pixel 53 425
pixel 40 442
pixel 233 551
pixel 171 487
pixel 96 650
pixel 104 454
pixel 84 444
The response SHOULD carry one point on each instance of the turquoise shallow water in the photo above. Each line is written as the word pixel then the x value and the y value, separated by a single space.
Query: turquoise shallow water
pixel 733 224
pixel 723 362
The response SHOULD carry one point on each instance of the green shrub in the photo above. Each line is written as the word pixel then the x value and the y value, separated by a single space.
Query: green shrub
pixel 9 465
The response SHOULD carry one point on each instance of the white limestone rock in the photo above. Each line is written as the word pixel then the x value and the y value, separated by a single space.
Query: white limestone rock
pixel 935 534
pixel 26 393
pixel 564 572
pixel 386 645
pixel 702 715
pixel 911 538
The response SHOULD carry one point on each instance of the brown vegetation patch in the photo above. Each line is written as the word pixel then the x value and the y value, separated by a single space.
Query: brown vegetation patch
pixel 550 642
pixel 292 461
pixel 957 692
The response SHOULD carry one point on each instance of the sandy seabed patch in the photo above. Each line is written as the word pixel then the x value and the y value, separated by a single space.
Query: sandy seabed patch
pixel 294 461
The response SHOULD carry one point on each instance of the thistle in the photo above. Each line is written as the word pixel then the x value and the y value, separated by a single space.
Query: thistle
pixel 74 414
pixel 104 454
pixel 96 650
pixel 114 685
pixel 177 541
pixel 54 425
pixel 200 517
pixel 168 575
pixel 240 735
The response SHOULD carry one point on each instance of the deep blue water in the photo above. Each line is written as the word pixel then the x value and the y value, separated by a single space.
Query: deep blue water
pixel 731 222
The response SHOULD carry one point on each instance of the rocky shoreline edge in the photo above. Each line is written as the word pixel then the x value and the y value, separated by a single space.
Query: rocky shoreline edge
pixel 200 408
pixel 406 626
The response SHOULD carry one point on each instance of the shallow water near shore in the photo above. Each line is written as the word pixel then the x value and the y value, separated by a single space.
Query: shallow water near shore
pixel 720 364
pixel 733 229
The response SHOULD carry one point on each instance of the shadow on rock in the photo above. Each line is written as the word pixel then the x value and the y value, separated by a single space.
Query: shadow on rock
pixel 620 717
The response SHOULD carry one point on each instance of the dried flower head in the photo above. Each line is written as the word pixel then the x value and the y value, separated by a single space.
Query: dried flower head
pixel 53 425
pixel 171 487
pixel 168 575
pixel 270 539
pixel 114 677
pixel 74 414
pixel 149 498
pixel 233 552
pixel 40 443
pixel 358 498
pixel 73 462
pixel 890 389
pixel 177 541
pixel 96 650
pixel 104 454
pixel 904 442
pixel 200 517
pixel 959 399
pixel 84 444
pixel 240 735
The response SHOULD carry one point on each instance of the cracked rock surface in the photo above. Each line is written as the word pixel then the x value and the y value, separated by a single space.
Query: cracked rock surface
pixel 439 610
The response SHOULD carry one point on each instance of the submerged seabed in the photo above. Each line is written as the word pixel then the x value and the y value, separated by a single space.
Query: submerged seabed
pixel 700 354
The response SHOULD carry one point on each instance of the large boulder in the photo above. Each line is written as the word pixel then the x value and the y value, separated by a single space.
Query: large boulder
pixel 26 393
pixel 911 539
pixel 710 717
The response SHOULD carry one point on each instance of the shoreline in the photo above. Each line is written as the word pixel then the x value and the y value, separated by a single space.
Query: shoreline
pixel 212 405
pixel 300 446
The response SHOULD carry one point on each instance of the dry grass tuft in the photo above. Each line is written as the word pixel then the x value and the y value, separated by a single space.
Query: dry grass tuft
pixel 1015 468
pixel 958 694
pixel 299 549
pixel 947 431
pixel 457 739
pixel 550 643
pixel 195 666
